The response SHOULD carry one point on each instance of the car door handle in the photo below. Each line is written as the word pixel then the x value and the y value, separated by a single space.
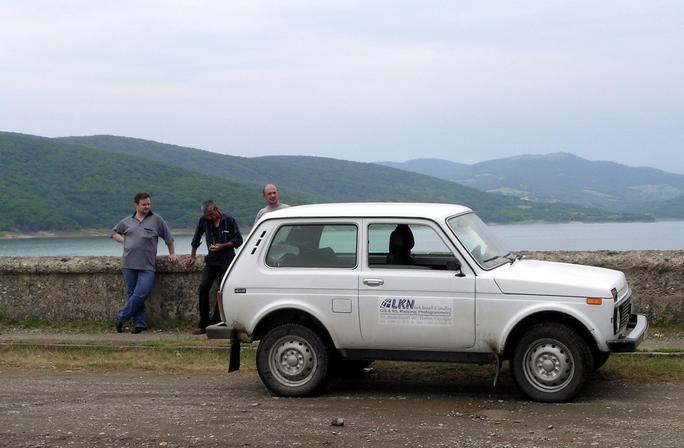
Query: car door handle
pixel 373 281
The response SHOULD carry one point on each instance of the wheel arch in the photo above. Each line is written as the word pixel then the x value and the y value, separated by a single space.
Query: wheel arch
pixel 291 315
pixel 559 317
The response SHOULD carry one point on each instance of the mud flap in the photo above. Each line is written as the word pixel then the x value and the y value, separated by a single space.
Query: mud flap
pixel 234 360
pixel 497 362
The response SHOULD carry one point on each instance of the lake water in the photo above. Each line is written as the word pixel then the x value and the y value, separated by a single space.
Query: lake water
pixel 665 235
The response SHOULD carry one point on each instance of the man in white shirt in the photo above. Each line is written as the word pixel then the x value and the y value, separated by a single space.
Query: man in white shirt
pixel 270 195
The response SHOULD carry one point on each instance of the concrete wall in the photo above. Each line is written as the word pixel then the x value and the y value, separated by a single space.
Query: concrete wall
pixel 90 289
pixel 656 278
pixel 83 289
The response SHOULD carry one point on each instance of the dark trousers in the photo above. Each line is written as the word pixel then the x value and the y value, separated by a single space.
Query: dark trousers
pixel 209 274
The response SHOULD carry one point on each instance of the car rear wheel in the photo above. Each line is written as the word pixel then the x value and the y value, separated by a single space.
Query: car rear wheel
pixel 551 363
pixel 292 360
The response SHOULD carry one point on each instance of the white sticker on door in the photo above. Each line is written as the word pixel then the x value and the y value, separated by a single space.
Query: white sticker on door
pixel 411 311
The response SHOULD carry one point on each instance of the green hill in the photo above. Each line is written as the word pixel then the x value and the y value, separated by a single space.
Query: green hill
pixel 88 183
pixel 46 184
pixel 331 180
pixel 667 209
pixel 563 177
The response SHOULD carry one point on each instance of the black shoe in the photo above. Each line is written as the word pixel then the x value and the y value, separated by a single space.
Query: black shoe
pixel 119 327
pixel 137 330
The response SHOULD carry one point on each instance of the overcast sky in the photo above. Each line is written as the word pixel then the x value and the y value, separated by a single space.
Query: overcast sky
pixel 359 80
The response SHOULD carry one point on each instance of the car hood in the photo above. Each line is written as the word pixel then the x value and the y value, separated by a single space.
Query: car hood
pixel 558 279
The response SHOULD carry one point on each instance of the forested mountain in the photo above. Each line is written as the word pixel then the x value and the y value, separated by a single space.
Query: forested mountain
pixel 89 182
pixel 563 177
pixel 326 180
pixel 443 169
pixel 321 179
pixel 46 184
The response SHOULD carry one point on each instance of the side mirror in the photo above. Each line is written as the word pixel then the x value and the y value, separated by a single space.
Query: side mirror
pixel 455 265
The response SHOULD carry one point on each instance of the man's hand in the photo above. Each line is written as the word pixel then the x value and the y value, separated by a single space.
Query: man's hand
pixel 190 261
pixel 217 246
pixel 173 259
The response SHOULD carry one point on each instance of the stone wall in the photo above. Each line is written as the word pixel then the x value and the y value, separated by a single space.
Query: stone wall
pixel 90 289
pixel 656 278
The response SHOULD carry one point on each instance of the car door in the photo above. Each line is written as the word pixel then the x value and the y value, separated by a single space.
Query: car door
pixel 413 297
pixel 312 265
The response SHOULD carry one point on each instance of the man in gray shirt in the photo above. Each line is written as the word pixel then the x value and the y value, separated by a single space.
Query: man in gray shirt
pixel 139 234
pixel 270 195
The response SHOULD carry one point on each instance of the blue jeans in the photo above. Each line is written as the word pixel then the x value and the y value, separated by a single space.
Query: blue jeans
pixel 139 285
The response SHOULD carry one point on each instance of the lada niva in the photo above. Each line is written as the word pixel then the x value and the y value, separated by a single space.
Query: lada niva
pixel 329 286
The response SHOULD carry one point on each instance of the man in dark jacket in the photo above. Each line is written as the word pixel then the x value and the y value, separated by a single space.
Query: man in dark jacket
pixel 223 237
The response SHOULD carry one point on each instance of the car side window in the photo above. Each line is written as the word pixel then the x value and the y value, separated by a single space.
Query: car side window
pixel 314 246
pixel 407 246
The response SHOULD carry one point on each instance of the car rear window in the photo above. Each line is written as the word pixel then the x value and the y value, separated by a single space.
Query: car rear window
pixel 314 246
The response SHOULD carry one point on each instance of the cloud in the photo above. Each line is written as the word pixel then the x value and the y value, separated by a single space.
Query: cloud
pixel 388 78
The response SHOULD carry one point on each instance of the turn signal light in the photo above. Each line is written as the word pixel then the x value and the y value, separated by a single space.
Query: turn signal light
pixel 594 300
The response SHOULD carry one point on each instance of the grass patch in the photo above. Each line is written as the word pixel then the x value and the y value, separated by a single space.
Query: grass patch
pixel 665 350
pixel 176 360
pixel 38 324
pixel 212 357
pixel 644 368
pixel 186 341
pixel 31 324
pixel 84 326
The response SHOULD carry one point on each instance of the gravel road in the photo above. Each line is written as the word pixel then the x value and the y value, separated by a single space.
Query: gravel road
pixel 378 409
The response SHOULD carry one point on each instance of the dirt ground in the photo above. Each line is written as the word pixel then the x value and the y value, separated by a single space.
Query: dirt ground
pixel 379 408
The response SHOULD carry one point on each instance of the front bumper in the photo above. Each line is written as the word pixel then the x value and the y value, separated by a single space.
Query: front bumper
pixel 638 324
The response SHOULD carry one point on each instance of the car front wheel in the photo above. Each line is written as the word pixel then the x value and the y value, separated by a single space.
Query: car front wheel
pixel 292 360
pixel 551 363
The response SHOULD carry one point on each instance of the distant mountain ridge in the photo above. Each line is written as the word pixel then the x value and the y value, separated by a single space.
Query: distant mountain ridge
pixel 332 180
pixel 88 183
pixel 444 169
pixel 564 177
pixel 46 184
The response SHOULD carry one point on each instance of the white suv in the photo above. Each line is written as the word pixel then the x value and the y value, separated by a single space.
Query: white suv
pixel 332 285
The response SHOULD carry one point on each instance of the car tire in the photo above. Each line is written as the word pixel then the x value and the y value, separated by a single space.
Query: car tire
pixel 551 363
pixel 293 360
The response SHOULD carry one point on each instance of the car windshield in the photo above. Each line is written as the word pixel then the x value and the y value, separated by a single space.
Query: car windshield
pixel 487 251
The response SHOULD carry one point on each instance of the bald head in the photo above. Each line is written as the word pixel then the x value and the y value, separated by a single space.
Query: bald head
pixel 270 195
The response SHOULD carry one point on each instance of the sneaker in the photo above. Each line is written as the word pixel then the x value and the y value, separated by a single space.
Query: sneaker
pixel 198 331
pixel 137 330
pixel 119 327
